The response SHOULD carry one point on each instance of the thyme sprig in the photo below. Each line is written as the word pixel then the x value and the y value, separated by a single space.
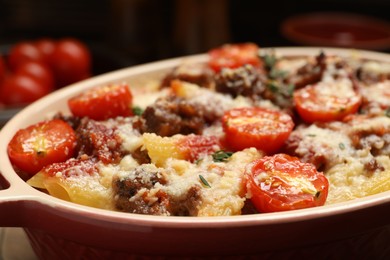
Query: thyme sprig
pixel 204 181
pixel 221 156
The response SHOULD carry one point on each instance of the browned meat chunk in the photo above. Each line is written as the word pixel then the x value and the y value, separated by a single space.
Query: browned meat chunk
pixel 198 74
pixel 133 193
pixel 96 139
pixel 174 115
pixel 245 81
pixel 140 191
pixel 310 73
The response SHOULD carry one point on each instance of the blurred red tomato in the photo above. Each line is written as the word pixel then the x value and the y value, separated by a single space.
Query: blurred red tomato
pixel 71 61
pixel 20 89
pixel 22 52
pixel 2 68
pixel 39 71
pixel 46 46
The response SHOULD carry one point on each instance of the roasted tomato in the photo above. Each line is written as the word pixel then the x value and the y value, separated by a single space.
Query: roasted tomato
pixel 196 146
pixel 234 56
pixel 42 144
pixel 103 102
pixel 281 182
pixel 326 102
pixel 262 128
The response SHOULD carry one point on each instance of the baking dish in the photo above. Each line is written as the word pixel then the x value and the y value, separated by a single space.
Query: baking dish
pixel 63 230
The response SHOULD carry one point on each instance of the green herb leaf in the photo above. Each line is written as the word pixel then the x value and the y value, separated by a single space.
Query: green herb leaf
pixel 275 73
pixel 204 181
pixel 342 146
pixel 387 112
pixel 273 86
pixel 269 60
pixel 221 156
pixel 290 90
pixel 137 111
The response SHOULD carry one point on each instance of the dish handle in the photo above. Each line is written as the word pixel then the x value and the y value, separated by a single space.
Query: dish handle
pixel 12 203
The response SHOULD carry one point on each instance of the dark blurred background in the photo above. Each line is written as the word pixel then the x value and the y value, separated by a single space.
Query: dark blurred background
pixel 126 32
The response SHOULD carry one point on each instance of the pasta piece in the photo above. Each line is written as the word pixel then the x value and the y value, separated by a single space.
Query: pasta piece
pixel 160 149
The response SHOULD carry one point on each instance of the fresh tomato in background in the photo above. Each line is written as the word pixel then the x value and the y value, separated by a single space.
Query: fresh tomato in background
pixel 34 68
pixel 46 46
pixel 39 71
pixel 2 68
pixel 20 89
pixel 71 61
pixel 22 52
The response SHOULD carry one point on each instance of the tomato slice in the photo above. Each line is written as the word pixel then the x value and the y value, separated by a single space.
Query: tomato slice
pixel 262 128
pixel 234 56
pixel 195 146
pixel 282 182
pixel 42 144
pixel 102 102
pixel 326 102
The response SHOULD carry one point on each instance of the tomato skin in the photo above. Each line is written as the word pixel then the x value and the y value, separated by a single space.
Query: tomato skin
pixel 282 182
pixel 41 144
pixel 46 46
pixel 2 68
pixel 101 103
pixel 71 61
pixel 22 52
pixel 262 128
pixel 21 89
pixel 234 56
pixel 312 105
pixel 195 146
pixel 39 71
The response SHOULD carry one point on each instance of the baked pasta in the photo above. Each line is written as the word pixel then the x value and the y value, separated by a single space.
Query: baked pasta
pixel 250 131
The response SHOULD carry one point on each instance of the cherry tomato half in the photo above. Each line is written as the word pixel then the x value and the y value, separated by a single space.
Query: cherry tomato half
pixel 326 102
pixel 20 89
pixel 234 56
pixel 281 182
pixel 70 61
pixel 22 52
pixel 103 102
pixel 41 144
pixel 195 147
pixel 262 128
